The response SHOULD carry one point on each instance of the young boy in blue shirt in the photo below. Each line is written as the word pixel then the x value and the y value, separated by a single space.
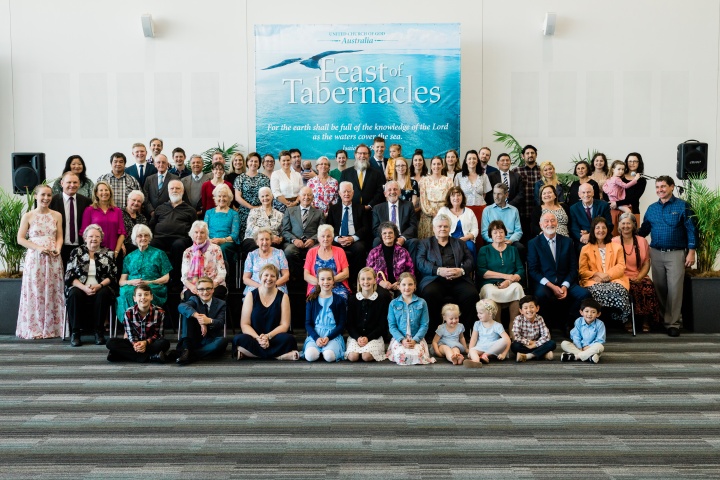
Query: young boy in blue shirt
pixel 588 335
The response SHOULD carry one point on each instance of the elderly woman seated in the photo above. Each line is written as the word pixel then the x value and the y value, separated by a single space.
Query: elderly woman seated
pixel 203 259
pixel 145 265
pixel 326 255
pixel 389 259
pixel 224 223
pixel 90 285
pixel 265 254
pixel 263 216
pixel 602 271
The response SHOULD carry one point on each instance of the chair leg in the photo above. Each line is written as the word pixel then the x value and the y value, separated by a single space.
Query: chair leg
pixel 64 324
pixel 632 315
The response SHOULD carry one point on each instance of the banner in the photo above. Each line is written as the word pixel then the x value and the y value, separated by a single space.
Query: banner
pixel 321 88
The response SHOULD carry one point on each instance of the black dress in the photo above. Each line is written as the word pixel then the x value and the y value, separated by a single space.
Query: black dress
pixel 264 320
pixel 367 318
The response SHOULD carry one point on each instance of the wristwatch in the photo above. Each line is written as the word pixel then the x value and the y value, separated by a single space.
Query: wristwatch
pixel 463 271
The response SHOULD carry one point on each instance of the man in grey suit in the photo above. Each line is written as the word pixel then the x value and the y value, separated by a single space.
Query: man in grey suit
pixel 156 185
pixel 193 183
pixel 398 212
pixel 299 230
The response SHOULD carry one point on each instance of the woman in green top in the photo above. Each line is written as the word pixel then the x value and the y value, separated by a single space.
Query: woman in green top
pixel 501 271
pixel 145 266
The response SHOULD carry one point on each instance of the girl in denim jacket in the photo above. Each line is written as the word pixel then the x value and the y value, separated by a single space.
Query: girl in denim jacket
pixel 408 321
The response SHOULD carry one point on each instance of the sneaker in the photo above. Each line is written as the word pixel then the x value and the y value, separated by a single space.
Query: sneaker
pixel 549 356
pixel 594 359
pixel 521 357
pixel 567 357
pixel 158 358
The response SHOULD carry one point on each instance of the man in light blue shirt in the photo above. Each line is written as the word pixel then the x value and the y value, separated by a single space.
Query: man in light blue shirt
pixel 509 215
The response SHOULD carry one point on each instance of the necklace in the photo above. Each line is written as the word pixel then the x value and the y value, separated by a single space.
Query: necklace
pixel 632 247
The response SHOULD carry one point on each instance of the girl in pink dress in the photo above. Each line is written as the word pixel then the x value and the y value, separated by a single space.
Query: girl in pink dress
pixel 41 297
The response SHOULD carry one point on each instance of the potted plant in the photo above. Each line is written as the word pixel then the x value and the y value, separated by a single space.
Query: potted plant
pixel 12 208
pixel 704 282
pixel 227 154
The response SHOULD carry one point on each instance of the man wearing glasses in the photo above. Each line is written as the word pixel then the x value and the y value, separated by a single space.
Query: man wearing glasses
pixel 202 325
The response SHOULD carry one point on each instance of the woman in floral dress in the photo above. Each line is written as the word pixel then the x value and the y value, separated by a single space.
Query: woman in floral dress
pixel 433 189
pixel 246 189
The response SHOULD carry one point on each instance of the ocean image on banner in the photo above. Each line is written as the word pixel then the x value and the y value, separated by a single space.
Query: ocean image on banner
pixel 320 88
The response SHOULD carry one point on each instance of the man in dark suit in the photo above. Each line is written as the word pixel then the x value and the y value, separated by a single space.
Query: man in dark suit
pixel 445 265
pixel 156 185
pixel 378 162
pixel 398 212
pixel 367 182
pixel 299 230
pixel 71 206
pixel 141 169
pixel 553 271
pixel 352 228
pixel 582 214
pixel 484 157
pixel 513 180
pixel 202 325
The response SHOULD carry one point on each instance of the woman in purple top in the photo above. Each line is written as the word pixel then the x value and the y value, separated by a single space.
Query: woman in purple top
pixel 390 253
pixel 103 212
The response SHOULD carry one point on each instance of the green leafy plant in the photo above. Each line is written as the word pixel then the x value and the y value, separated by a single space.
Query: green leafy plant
pixel 580 158
pixel 12 208
pixel 227 154
pixel 705 204
pixel 513 146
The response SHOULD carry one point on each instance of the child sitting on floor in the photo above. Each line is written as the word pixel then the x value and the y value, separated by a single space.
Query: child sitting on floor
pixel 588 335
pixel 488 337
pixel 449 339
pixel 532 337
pixel 408 322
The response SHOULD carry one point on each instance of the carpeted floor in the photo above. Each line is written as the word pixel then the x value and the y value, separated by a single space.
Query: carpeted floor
pixel 650 409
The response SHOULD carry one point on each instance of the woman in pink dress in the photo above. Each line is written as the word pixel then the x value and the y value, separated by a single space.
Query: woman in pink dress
pixel 41 297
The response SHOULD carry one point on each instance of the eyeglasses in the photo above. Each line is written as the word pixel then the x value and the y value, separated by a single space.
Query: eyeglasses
pixel 205 289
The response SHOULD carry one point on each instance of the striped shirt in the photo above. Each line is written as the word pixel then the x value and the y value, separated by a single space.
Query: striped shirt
pixel 526 331
pixel 148 327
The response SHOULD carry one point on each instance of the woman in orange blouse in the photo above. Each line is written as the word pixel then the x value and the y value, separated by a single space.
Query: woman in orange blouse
pixel 602 272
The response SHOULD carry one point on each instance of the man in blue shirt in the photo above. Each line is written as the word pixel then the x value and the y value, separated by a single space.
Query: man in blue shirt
pixel 669 222
pixel 509 215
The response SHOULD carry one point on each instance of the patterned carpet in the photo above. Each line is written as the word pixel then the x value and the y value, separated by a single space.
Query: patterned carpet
pixel 650 409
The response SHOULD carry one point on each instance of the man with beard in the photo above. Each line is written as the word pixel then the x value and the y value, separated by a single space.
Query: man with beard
pixel 170 225
pixel 553 271
pixel 367 182
pixel 484 154
pixel 530 174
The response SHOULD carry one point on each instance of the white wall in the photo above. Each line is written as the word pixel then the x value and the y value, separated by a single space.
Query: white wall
pixel 77 76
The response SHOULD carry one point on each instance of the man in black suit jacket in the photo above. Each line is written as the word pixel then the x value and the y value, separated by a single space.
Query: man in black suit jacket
pixel 554 274
pixel 355 239
pixel 582 213
pixel 445 265
pixel 141 169
pixel 516 190
pixel 371 192
pixel 406 220
pixel 154 195
pixel 378 162
pixel 202 325
pixel 61 203
pixel 299 235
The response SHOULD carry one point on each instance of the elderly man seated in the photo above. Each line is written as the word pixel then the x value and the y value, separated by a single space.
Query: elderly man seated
pixel 171 224
pixel 445 265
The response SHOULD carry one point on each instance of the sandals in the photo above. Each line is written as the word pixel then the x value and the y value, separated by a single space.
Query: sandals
pixel 646 327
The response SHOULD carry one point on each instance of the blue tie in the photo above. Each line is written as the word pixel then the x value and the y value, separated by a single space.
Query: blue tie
pixel 345 224
pixel 160 181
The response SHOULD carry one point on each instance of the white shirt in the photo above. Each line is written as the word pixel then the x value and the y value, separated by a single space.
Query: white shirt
pixel 351 224
pixel 288 187
pixel 78 221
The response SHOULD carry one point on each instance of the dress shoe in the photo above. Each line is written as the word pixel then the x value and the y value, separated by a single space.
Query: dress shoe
pixel 674 332
pixel 158 358
pixel 184 357
pixel 75 340
pixel 99 338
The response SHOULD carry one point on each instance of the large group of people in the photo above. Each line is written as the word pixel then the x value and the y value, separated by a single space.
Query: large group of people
pixel 411 262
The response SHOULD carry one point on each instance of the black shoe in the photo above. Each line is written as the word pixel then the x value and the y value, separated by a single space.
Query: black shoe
pixel 75 340
pixel 171 355
pixel 673 332
pixel 113 358
pixel 99 338
pixel 158 358
pixel 184 357
pixel 567 357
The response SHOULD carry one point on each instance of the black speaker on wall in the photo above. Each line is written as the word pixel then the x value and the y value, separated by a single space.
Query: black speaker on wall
pixel 692 159
pixel 28 171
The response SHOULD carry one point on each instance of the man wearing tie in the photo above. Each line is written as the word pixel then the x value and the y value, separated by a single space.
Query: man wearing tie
pixel 553 271
pixel 582 214
pixel 398 212
pixel 202 325
pixel 299 230
pixel 379 162
pixel 513 181
pixel 155 189
pixel 193 183
pixel 367 182
pixel 141 170
pixel 352 225
pixel 71 206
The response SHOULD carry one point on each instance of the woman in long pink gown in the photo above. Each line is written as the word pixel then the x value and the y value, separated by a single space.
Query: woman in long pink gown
pixel 41 297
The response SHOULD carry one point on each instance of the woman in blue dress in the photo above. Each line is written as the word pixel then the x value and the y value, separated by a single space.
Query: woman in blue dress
pixel 145 266
pixel 224 223
pixel 325 314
